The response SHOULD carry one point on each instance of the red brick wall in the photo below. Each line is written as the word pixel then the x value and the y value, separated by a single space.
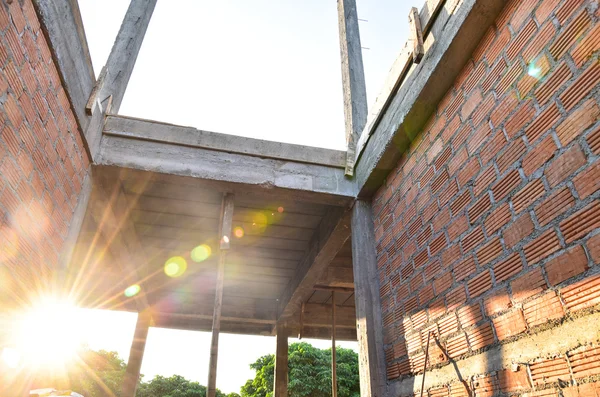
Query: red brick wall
pixel 488 227
pixel 42 160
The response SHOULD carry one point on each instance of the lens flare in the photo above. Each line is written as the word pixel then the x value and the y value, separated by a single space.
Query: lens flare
pixel 11 357
pixel 280 210
pixel 534 71
pixel 201 253
pixel 238 232
pixel 175 266
pixel 132 290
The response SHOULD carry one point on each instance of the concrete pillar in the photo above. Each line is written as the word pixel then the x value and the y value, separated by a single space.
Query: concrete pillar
pixel 369 325
pixel 136 355
pixel 281 363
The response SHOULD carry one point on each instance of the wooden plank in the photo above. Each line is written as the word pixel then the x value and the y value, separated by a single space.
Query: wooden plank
pixel 281 362
pixel 369 323
pixel 337 277
pixel 224 245
pixel 328 239
pixel 416 34
pixel 136 355
pixel 156 131
pixel 63 28
pixel 407 109
pixel 125 50
pixel 353 78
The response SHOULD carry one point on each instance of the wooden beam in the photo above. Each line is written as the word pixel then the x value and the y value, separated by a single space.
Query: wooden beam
pixel 188 136
pixel 125 50
pixel 416 34
pixel 333 349
pixel 136 355
pixel 224 236
pixel 280 388
pixel 369 323
pixel 353 78
pixel 328 239
pixel 410 98
pixel 62 25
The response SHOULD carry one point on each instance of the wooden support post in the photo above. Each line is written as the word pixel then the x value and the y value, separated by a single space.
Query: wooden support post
pixel 281 362
pixel 369 324
pixel 301 321
pixel 224 244
pixel 353 78
pixel 136 354
pixel 416 33
pixel 333 351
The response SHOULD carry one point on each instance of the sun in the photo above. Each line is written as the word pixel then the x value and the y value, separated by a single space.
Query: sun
pixel 46 335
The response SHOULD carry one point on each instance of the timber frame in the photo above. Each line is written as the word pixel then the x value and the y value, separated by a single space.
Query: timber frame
pixel 135 160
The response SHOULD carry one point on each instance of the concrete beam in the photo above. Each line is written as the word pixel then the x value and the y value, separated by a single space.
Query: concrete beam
pixel 353 78
pixel 136 355
pixel 328 240
pixel 63 28
pixel 230 171
pixel 402 118
pixel 337 277
pixel 280 388
pixel 155 131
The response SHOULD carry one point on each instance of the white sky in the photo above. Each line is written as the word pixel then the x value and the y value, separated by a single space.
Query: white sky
pixel 262 68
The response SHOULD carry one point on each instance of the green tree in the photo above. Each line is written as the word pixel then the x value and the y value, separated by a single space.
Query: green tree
pixel 174 386
pixel 309 373
pixel 97 373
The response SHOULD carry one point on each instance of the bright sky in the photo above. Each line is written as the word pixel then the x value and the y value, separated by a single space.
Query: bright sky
pixel 263 68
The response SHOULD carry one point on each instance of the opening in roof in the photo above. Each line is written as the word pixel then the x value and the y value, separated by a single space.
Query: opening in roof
pixel 262 69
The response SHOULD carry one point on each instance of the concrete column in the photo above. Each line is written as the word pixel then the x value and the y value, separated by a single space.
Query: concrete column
pixel 369 325
pixel 281 363
pixel 136 355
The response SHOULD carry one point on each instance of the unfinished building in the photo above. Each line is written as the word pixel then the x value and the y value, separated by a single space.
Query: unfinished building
pixel 457 237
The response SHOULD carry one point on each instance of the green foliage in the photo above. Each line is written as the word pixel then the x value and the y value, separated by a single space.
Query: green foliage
pixel 309 373
pixel 98 374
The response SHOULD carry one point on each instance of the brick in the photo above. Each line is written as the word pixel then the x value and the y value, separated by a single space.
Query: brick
pixel 450 255
pixel 536 71
pixel 522 13
pixel 582 294
pixel 470 104
pixel 582 390
pixel 551 392
pixel 574 125
pixel 518 230
pixel 568 264
pixel 469 315
pixel 485 386
pixel 521 117
pixel 498 302
pixel 498 46
pixel 587 47
pixel 481 206
pixel 479 136
pixel 585 361
pixel 481 336
pixel 479 284
pixel 509 78
pixel 482 111
pixel 473 239
pixel 581 223
pixel 491 79
pixel 484 180
pixel 543 122
pixel 522 38
pixel 464 268
pixel 545 9
pixel 448 325
pixel 515 150
pixel 497 219
pixel 593 245
pixel 550 370
pixel 539 155
pixel 554 82
pixel 508 267
pixel 460 203
pixel 511 381
pixel 507 184
pixel 489 252
pixel 570 35
pixel 543 246
pixel 492 147
pixel 558 202
pixel 527 195
pixel 528 284
pixel 565 165
pixel 460 389
pixel 566 10
pixel 456 297
pixel 543 309
pixel 542 38
pixel 509 324
pixel 457 346
pixel 588 181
